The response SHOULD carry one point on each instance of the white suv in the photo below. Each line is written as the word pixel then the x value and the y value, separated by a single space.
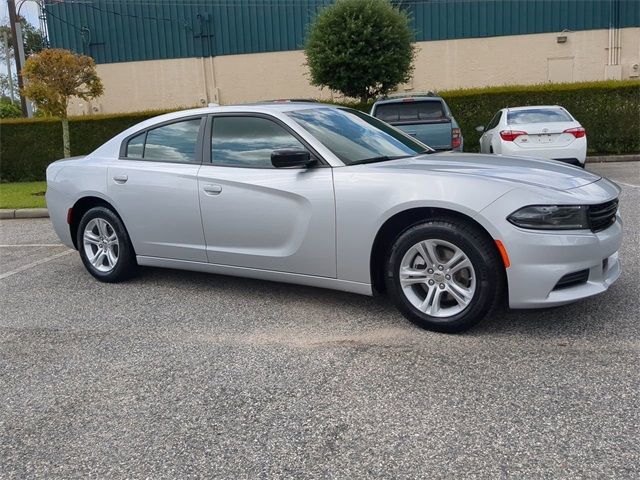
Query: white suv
pixel 539 131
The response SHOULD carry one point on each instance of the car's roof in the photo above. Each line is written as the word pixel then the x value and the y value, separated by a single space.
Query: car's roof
pixel 407 99
pixel 240 108
pixel 533 107
pixel 263 107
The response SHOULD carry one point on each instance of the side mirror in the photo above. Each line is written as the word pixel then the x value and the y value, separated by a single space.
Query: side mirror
pixel 291 158
pixel 480 128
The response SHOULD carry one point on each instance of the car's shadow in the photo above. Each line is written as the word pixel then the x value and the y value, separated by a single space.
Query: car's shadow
pixel 610 313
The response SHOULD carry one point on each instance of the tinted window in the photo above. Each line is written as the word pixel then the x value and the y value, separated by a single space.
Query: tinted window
pixel 494 121
pixel 175 142
pixel 135 147
pixel 354 136
pixel 537 115
pixel 248 141
pixel 410 111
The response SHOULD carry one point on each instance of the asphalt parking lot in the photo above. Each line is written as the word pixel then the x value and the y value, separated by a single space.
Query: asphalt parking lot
pixel 184 375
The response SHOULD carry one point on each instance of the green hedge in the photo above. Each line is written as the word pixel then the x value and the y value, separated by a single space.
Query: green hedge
pixel 610 112
pixel 27 146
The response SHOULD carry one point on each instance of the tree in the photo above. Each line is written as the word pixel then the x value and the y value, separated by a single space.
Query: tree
pixel 32 37
pixel 53 76
pixel 9 109
pixel 5 84
pixel 361 48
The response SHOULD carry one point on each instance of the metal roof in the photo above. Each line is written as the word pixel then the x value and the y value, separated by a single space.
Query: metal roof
pixel 120 31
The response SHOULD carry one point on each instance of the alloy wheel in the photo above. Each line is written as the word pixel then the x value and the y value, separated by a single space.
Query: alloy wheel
pixel 101 245
pixel 437 277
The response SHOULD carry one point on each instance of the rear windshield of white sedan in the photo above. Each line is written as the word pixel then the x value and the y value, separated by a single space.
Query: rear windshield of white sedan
pixel 537 115
pixel 354 136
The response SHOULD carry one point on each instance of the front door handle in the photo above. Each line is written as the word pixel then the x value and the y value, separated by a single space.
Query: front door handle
pixel 120 178
pixel 212 189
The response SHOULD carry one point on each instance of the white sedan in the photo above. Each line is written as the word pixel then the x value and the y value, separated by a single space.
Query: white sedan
pixel 548 132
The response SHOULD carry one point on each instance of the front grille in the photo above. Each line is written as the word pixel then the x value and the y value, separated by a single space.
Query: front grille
pixel 572 279
pixel 602 215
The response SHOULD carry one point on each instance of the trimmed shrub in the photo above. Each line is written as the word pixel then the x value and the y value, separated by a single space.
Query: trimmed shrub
pixel 28 146
pixel 609 111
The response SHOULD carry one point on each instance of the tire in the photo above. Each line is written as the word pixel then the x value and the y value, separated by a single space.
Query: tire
pixel 117 260
pixel 478 286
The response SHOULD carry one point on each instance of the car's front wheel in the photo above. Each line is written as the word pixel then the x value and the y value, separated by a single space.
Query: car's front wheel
pixel 444 275
pixel 104 246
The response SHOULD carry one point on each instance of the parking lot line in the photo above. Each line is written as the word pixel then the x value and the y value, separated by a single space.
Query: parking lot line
pixel 33 245
pixel 35 264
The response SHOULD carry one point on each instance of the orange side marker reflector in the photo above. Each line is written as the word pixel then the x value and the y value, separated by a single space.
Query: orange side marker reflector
pixel 503 254
pixel 70 216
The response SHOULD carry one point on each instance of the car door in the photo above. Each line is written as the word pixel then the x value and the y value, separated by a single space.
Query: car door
pixel 154 185
pixel 257 216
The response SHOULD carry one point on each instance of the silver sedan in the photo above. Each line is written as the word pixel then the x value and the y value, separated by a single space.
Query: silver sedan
pixel 331 197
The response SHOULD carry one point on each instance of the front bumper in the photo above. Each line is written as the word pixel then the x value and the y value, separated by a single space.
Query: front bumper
pixel 540 259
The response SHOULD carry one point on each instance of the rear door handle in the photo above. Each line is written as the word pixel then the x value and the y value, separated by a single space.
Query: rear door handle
pixel 120 178
pixel 212 189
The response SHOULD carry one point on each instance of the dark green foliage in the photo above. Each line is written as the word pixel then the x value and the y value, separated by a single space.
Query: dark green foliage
pixel 9 109
pixel 610 112
pixel 28 146
pixel 361 48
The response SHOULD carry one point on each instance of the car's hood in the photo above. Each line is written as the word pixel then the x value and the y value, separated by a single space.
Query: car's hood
pixel 528 171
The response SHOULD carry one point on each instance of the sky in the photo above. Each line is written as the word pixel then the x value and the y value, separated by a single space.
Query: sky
pixel 29 10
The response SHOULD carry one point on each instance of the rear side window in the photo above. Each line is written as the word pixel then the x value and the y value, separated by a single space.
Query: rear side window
pixel 537 115
pixel 410 111
pixel 248 141
pixel 493 123
pixel 175 142
pixel 135 147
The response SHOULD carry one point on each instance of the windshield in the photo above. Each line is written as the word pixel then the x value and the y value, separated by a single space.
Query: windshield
pixel 537 115
pixel 355 137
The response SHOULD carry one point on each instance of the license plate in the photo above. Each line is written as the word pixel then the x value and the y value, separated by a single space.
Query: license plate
pixel 544 138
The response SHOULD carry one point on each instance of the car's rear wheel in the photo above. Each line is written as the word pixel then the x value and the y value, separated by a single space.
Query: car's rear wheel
pixel 104 246
pixel 444 275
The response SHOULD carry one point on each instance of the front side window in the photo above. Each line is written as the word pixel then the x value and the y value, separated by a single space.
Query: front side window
pixel 248 141
pixel 175 142
pixel 537 115
pixel 355 137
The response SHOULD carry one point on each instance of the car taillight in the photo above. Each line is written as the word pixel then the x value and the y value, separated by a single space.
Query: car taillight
pixel 577 132
pixel 456 138
pixel 511 135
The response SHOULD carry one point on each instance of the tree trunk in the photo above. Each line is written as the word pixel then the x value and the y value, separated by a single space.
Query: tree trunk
pixel 66 144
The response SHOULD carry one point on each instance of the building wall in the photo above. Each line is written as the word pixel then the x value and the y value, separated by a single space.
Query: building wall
pixel 440 65
pixel 135 30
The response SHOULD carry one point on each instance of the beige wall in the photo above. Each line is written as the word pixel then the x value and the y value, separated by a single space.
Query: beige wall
pixel 475 62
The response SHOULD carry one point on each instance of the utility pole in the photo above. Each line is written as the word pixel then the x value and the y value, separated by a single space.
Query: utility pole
pixel 5 43
pixel 18 49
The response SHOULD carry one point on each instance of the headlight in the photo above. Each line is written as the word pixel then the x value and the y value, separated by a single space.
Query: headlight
pixel 551 217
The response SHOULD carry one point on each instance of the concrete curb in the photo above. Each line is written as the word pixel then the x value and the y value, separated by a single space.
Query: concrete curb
pixel 613 158
pixel 9 213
